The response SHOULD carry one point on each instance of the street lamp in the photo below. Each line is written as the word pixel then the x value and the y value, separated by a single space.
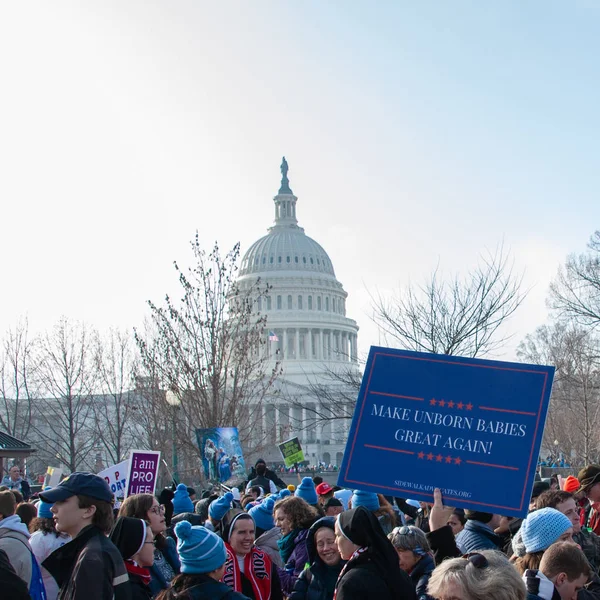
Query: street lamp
pixel 174 400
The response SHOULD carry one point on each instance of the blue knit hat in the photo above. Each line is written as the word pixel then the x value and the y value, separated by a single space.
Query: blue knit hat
pixel 367 499
pixel 218 509
pixel 43 508
pixel 263 514
pixel 199 550
pixel 284 493
pixel 542 528
pixel 306 490
pixel 181 500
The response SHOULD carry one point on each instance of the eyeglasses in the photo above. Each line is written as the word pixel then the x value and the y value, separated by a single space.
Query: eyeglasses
pixel 152 542
pixel 157 510
pixel 479 561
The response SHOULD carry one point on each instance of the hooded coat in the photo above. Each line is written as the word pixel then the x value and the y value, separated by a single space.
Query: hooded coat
pixel 373 573
pixel 14 540
pixel 317 582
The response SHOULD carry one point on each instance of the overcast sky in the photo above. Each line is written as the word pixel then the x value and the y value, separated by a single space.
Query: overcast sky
pixel 417 134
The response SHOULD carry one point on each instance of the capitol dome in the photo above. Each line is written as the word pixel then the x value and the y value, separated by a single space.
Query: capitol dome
pixel 307 331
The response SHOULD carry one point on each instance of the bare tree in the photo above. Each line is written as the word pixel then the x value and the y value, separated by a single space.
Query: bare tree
pixel 459 317
pixel 575 293
pixel 116 402
pixel 210 346
pixel 573 423
pixel 328 397
pixel 16 382
pixel 64 420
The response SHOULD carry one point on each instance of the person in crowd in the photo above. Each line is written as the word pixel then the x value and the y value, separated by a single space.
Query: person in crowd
pixel 422 519
pixel 386 514
pixel 165 498
pixel 202 555
pixel 372 502
pixel 333 507
pixel 203 505
pixel 541 529
pixel 267 535
pixel 414 555
pixel 308 492
pixel 294 516
pixel 248 569
pixel 181 500
pixel 589 479
pixel 44 541
pixel 27 512
pixel 571 484
pixel 14 538
pixel 11 584
pixel 564 502
pixel 317 582
pixel 192 494
pixel 166 562
pixel 324 493
pixel 135 541
pixel 14 481
pixel 457 521
pixel 291 488
pixel 486 574
pixel 372 570
pixel 260 470
pixel 563 572
pixel 89 567
pixel 478 532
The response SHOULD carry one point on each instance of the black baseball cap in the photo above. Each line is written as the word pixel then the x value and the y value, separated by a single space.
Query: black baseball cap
pixel 79 484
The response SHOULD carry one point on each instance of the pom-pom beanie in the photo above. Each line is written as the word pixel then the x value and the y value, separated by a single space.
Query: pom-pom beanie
pixel 306 491
pixel 218 509
pixel 542 528
pixel 367 499
pixel 263 514
pixel 43 508
pixel 181 500
pixel 284 493
pixel 199 550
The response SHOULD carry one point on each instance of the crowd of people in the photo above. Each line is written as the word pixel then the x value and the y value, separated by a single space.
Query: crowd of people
pixel 268 541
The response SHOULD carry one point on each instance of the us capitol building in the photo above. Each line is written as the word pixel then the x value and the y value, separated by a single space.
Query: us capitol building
pixel 307 331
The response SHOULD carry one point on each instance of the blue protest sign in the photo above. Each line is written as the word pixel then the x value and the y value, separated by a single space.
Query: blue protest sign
pixel 471 427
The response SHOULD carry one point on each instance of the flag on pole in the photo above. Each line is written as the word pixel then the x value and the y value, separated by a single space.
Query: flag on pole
pixel 273 337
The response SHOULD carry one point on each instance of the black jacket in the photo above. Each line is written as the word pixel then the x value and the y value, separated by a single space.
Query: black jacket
pixel 89 567
pixel 363 582
pixel 11 585
pixel 269 475
pixel 139 590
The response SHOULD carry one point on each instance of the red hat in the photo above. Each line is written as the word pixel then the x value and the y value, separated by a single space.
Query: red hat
pixel 324 488
pixel 571 484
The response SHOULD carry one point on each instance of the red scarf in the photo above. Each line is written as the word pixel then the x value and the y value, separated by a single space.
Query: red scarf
pixel 141 572
pixel 257 569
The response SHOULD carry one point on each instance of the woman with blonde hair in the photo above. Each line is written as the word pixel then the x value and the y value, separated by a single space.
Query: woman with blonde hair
pixel 481 575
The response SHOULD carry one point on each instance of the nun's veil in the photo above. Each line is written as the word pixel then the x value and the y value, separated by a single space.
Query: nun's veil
pixel 362 528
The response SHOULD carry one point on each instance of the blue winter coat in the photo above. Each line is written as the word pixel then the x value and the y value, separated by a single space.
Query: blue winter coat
pixel 477 536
